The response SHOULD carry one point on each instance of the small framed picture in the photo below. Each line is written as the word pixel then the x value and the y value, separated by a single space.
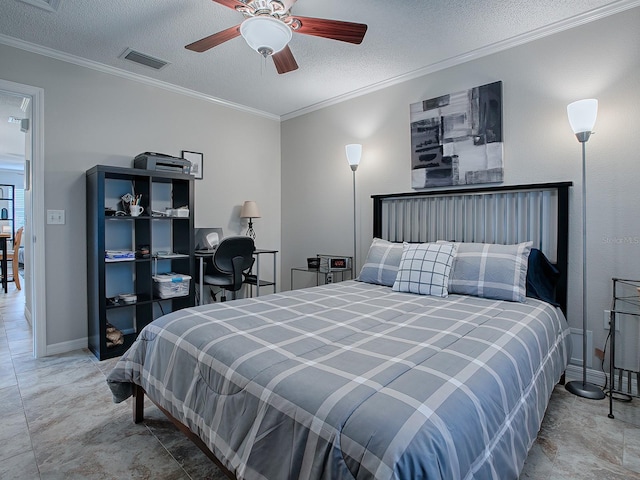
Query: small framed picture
pixel 196 162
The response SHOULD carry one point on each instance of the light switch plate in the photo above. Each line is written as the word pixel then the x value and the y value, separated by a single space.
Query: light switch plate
pixel 55 217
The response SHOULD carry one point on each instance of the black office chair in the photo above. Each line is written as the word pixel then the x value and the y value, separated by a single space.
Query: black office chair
pixel 226 268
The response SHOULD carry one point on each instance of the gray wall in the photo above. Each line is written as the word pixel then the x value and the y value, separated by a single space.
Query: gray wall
pixel 599 59
pixel 97 118
pixel 301 179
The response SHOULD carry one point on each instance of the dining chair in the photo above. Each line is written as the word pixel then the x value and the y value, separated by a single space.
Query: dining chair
pixel 13 260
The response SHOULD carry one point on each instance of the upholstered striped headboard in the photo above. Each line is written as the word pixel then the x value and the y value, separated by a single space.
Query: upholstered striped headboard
pixel 495 214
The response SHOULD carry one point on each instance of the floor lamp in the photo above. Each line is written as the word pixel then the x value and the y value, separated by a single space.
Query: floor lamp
pixel 354 153
pixel 582 117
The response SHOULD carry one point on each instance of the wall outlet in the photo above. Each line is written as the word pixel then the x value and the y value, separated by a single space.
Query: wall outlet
pixel 329 277
pixel 55 217
pixel 607 316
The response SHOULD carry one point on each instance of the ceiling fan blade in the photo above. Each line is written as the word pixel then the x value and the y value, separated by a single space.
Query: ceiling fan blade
pixel 214 40
pixel 334 29
pixel 231 3
pixel 284 61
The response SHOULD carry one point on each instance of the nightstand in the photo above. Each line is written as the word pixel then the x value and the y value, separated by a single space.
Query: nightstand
pixel 329 267
pixel 625 309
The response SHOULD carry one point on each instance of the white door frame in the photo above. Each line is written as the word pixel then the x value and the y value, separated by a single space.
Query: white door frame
pixel 36 217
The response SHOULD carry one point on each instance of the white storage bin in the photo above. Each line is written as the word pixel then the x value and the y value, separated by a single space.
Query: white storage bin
pixel 169 285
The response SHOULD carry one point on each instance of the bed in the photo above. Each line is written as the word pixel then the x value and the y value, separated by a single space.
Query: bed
pixel 363 379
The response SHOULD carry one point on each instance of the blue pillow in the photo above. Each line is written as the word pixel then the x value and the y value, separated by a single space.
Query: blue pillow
pixel 491 271
pixel 381 265
pixel 542 278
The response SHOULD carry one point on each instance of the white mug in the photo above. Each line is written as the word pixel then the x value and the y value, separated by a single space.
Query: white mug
pixel 135 210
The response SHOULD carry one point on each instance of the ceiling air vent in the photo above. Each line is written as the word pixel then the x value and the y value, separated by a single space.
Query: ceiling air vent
pixel 50 5
pixel 143 59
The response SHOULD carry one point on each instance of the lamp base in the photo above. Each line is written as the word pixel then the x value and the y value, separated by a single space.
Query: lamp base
pixel 585 390
pixel 250 231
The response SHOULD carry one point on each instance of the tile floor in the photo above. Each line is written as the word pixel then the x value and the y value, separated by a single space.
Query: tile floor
pixel 58 422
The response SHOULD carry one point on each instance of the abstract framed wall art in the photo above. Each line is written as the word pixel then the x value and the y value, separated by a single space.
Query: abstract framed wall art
pixel 456 139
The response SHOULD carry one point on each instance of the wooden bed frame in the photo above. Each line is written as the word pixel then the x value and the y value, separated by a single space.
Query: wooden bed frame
pixel 138 417
pixel 495 214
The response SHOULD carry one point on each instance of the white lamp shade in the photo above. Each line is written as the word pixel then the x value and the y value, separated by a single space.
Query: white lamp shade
pixel 582 115
pixel 266 35
pixel 354 154
pixel 249 210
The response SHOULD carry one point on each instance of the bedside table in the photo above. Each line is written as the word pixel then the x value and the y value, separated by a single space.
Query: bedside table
pixel 625 305
pixel 327 270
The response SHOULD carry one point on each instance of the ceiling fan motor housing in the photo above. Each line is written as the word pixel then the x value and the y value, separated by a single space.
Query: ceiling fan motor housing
pixel 274 8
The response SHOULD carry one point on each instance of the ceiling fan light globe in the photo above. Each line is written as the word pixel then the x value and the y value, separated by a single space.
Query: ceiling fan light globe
pixel 266 35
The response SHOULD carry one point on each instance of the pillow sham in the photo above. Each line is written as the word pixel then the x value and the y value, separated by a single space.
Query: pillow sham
pixel 491 271
pixel 382 262
pixel 425 268
pixel 542 278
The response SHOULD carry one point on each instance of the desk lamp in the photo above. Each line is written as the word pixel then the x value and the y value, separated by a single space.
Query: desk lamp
pixel 250 211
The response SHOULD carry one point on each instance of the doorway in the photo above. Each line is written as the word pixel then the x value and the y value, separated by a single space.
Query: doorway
pixel 21 108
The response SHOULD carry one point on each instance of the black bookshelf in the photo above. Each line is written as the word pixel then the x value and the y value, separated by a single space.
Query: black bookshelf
pixel 110 227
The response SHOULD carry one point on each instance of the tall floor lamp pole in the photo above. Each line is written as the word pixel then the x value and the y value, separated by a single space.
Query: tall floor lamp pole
pixel 354 154
pixel 582 117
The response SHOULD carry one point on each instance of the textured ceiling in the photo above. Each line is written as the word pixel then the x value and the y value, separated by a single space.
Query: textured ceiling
pixel 404 38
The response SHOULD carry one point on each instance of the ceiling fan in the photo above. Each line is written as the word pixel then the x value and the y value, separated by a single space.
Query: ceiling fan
pixel 268 28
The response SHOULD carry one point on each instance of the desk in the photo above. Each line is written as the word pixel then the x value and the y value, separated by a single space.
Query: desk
pixel 3 264
pixel 249 279
pixel 255 279
pixel 201 257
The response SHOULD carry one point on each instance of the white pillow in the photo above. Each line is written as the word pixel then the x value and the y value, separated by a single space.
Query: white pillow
pixel 424 268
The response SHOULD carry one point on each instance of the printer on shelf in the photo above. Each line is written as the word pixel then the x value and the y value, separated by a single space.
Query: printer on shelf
pixel 162 162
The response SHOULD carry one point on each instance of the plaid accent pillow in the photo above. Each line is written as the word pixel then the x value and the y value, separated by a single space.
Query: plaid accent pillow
pixel 424 268
pixel 381 265
pixel 491 271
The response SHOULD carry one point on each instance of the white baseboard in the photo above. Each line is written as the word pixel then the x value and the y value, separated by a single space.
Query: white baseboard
pixel 28 316
pixel 598 377
pixel 65 347
pixel 574 372
pixel 576 351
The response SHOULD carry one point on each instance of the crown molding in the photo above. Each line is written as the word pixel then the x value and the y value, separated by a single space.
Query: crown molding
pixel 576 21
pixel 83 62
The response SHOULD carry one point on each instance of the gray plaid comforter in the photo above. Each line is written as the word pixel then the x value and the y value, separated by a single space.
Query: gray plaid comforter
pixel 352 380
